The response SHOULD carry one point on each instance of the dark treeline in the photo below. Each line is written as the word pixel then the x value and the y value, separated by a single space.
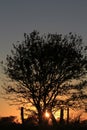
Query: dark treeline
pixel 9 123
pixel 72 126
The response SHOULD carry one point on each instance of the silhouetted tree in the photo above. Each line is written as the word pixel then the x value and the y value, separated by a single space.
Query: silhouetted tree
pixel 42 66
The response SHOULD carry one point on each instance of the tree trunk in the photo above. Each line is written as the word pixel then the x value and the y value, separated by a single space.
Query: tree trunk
pixel 53 119
pixel 40 117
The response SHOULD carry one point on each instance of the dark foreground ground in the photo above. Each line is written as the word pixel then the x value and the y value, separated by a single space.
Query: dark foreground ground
pixel 14 126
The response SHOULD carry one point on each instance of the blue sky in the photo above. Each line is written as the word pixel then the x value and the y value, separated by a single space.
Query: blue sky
pixel 19 16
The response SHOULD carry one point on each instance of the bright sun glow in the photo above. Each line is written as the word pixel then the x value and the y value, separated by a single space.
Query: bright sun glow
pixel 47 114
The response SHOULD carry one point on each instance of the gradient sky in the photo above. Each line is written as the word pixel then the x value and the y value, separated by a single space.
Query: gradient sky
pixel 20 16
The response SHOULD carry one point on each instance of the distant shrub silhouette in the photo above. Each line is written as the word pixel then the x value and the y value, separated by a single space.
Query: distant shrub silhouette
pixel 7 120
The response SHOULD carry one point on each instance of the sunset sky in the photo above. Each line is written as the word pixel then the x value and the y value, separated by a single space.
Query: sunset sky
pixel 23 16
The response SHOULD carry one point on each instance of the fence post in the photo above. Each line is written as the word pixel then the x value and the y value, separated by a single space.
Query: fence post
pixel 22 115
pixel 67 115
pixel 61 115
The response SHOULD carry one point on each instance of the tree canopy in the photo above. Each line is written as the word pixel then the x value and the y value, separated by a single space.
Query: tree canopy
pixel 43 67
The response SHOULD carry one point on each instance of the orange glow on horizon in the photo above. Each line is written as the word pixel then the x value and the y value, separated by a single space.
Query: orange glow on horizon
pixel 6 110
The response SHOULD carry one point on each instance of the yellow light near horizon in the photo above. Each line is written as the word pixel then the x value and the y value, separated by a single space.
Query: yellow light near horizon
pixel 57 114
